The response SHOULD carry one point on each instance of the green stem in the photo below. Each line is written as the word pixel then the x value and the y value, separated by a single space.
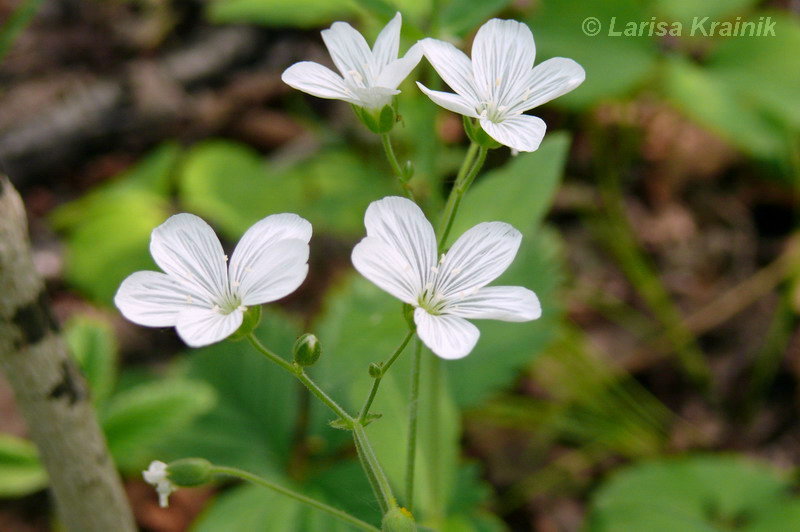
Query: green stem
pixel 466 175
pixel 413 405
pixel 395 164
pixel 298 372
pixel 375 474
pixel 377 382
pixel 255 479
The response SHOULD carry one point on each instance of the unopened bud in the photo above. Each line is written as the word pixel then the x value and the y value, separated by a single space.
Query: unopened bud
pixel 189 472
pixel 307 350
pixel 398 520
pixel 375 370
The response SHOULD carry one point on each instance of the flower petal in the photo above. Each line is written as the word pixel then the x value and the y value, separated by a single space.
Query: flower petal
pixel 317 80
pixel 187 249
pixel 350 53
pixel 549 80
pixel 387 44
pixel 453 66
pixel 521 132
pixel 505 303
pixel 449 337
pixel 256 241
pixel 502 58
pixel 274 271
pixel 477 258
pixel 400 223
pixel 374 97
pixel 203 326
pixel 387 268
pixel 451 102
pixel 153 299
pixel 394 72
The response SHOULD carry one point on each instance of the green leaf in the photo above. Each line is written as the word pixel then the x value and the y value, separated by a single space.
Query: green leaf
pixel 362 325
pixel 462 16
pixel 252 423
pixel 715 104
pixel 701 493
pixel 21 473
pixel 91 341
pixel 519 193
pixel 138 419
pixel 234 187
pixel 615 66
pixel 108 230
pixel 300 13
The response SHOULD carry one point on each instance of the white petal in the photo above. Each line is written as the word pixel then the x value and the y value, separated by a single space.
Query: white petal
pixel 350 52
pixel 477 258
pixel 273 271
pixel 317 80
pixel 203 326
pixel 187 249
pixel 551 79
pixel 506 303
pixel 400 223
pixel 374 97
pixel 453 66
pixel 449 337
pixel 521 132
pixel 451 102
pixel 250 250
pixel 153 299
pixel 387 44
pixel 397 70
pixel 502 57
pixel 387 268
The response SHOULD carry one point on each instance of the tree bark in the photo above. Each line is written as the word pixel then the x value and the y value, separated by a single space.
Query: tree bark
pixel 49 390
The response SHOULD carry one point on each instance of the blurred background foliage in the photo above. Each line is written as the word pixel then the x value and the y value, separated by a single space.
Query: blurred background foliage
pixel 658 392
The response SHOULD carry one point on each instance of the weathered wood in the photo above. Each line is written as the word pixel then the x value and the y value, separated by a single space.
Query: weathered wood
pixel 49 390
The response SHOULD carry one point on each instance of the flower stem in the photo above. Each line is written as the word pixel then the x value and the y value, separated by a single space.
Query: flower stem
pixel 466 175
pixel 255 479
pixel 393 162
pixel 377 478
pixel 413 404
pixel 384 366
pixel 298 372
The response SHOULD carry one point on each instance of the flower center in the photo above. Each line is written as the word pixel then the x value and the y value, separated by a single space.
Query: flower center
pixel 431 301
pixel 228 304
pixel 492 111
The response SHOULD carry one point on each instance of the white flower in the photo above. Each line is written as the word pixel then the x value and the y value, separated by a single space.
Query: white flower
pixel 156 475
pixel 500 83
pixel 200 294
pixel 399 255
pixel 369 78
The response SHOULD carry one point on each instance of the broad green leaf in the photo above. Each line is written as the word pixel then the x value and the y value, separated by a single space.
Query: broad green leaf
pixel 361 325
pixel 108 230
pixel 234 187
pixel 252 424
pixel 519 193
pixel 92 343
pixel 615 66
pixel 763 69
pixel 714 104
pixel 21 473
pixel 300 13
pixel 138 419
pixel 701 493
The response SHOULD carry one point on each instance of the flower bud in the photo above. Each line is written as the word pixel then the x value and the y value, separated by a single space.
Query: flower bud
pixel 375 370
pixel 398 520
pixel 189 472
pixel 307 350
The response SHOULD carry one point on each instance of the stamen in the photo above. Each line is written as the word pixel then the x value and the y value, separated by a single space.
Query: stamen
pixel 189 299
pixel 235 284
pixel 497 82
pixel 225 258
pixel 215 308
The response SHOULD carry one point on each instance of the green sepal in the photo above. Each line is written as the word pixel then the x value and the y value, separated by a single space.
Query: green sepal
pixel 189 472
pixel 251 319
pixel 398 520
pixel 344 425
pixel 408 315
pixel 477 135
pixel 379 121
